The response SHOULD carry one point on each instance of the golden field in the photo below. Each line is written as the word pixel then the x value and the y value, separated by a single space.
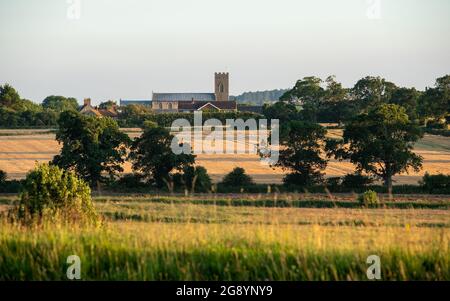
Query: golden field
pixel 21 149
pixel 164 238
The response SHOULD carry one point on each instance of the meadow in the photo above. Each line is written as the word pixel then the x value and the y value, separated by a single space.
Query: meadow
pixel 232 236
pixel 294 237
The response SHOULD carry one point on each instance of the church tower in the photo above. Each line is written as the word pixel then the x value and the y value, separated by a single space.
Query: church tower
pixel 221 86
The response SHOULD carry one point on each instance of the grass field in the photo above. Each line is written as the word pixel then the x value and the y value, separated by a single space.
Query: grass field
pixel 166 238
pixel 233 236
pixel 20 149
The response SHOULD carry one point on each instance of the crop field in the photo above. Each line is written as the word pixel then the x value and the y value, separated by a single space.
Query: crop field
pixel 21 149
pixel 252 237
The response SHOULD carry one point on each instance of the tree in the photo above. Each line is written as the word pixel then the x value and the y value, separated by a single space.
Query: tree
pixel 60 103
pixel 194 178
pixel 91 146
pixel 372 91
pixel 2 177
pixel 133 115
pixel 336 105
pixel 301 153
pixel 52 194
pixel 305 90
pixel 406 98
pixel 237 178
pixel 260 97
pixel 309 93
pixel 380 143
pixel 108 105
pixel 153 158
pixel 280 110
pixel 9 98
pixel 435 102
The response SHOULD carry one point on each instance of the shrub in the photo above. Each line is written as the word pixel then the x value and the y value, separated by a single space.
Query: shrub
pixel 11 186
pixel 436 124
pixel 129 182
pixel 302 180
pixel 54 195
pixel 356 181
pixel 436 183
pixel 237 178
pixel 333 183
pixel 193 179
pixel 2 177
pixel 369 199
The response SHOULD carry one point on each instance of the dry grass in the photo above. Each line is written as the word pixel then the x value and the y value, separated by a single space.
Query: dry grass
pixel 18 154
pixel 208 242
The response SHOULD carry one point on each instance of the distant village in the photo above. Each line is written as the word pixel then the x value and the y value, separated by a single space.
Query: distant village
pixel 217 101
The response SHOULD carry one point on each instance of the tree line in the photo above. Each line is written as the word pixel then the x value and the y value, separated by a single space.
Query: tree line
pixel 96 149
pixel 315 100
pixel 379 143
pixel 381 123
pixel 311 99
pixel 260 97
pixel 18 112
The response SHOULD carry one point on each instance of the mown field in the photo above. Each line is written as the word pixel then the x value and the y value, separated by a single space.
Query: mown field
pixel 250 237
pixel 21 149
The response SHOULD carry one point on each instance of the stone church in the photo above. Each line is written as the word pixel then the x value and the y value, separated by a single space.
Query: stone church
pixel 190 102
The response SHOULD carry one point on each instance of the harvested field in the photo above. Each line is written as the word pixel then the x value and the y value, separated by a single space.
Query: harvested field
pixel 21 149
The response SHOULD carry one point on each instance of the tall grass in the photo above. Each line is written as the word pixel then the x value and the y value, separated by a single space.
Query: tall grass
pixel 187 251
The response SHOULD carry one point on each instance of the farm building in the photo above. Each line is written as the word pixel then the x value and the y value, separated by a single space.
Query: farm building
pixel 89 110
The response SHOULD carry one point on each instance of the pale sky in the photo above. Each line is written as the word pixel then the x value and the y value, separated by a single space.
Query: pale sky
pixel 129 48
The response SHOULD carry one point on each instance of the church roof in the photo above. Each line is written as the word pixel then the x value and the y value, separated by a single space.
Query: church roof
pixel 183 96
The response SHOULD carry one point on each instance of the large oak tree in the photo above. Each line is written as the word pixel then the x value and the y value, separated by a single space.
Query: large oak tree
pixel 380 143
pixel 91 146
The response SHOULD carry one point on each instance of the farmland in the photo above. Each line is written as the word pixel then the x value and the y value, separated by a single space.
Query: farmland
pixel 20 149
pixel 212 236
pixel 166 238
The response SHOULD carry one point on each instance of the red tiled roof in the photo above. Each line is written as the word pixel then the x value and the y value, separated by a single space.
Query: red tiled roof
pixel 88 109
pixel 108 112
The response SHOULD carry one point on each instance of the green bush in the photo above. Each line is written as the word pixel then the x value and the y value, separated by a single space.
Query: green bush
pixel 334 184
pixel 237 178
pixel 128 182
pixel 369 199
pixel 349 183
pixel 194 179
pixel 2 177
pixel 436 124
pixel 436 183
pixel 54 195
pixel 11 186
pixel 356 181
